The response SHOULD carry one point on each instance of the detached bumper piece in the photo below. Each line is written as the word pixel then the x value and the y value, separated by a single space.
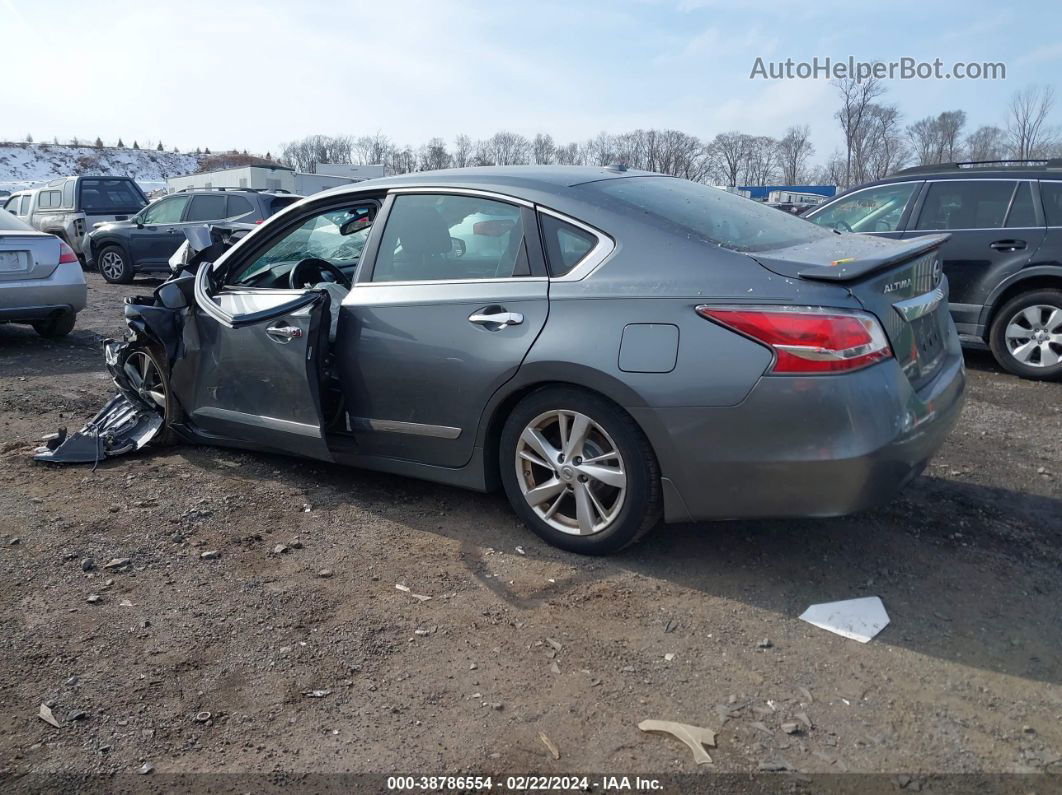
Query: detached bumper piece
pixel 124 425
pixel 120 427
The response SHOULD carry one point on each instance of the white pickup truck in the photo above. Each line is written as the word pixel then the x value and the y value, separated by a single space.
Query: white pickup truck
pixel 69 207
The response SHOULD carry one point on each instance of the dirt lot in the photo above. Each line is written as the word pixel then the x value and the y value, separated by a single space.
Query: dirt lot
pixel 968 676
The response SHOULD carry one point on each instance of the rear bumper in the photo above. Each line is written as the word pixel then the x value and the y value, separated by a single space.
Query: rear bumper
pixel 814 446
pixel 36 299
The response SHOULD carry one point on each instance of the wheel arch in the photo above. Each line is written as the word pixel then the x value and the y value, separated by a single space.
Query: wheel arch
pixel 1040 277
pixel 539 376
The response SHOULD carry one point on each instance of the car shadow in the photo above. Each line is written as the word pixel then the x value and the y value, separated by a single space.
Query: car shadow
pixel 968 573
pixel 982 361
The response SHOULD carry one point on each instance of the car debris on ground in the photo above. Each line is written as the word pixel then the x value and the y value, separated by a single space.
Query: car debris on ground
pixel 857 619
pixel 695 737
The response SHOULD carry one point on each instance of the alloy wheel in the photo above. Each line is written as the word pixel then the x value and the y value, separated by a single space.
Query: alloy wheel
pixel 1034 335
pixel 570 472
pixel 145 378
pixel 111 264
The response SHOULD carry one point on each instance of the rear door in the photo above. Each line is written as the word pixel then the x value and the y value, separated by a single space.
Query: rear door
pixel 995 229
pixel 443 313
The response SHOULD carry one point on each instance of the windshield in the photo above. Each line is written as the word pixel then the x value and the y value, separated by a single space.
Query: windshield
pixel 711 214
pixel 110 195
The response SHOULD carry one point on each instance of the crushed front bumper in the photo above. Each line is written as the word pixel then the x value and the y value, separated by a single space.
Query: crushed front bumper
pixel 125 424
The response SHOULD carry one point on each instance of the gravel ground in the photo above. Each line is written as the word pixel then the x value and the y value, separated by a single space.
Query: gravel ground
pixel 289 647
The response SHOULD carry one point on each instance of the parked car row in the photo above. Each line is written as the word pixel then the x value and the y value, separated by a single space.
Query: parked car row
pixel 1003 257
pixel 109 224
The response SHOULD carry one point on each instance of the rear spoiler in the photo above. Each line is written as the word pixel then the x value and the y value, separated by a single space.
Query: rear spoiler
pixel 852 269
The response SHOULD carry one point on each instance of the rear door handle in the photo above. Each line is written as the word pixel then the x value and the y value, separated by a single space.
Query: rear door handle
pixel 280 333
pixel 495 318
pixel 1007 245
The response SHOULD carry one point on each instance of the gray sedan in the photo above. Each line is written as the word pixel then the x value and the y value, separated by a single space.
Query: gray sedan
pixel 41 282
pixel 612 348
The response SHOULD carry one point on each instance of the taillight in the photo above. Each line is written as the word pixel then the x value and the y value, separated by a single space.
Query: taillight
pixel 808 339
pixel 66 254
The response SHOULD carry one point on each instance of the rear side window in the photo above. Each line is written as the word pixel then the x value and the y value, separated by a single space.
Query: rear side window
pixel 207 207
pixel 566 245
pixel 238 206
pixel 110 195
pixel 49 199
pixel 1051 193
pixel 965 204
pixel 709 214
pixel 1022 214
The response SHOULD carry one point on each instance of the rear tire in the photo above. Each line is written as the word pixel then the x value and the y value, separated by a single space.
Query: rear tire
pixel 1026 335
pixel 57 326
pixel 114 264
pixel 598 497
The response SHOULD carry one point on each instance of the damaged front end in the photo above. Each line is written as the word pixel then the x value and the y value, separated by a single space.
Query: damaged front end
pixel 126 423
pixel 141 364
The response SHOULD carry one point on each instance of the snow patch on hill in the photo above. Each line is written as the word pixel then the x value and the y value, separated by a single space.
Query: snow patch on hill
pixel 24 165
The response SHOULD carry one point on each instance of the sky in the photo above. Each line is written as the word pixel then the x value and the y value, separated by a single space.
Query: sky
pixel 251 75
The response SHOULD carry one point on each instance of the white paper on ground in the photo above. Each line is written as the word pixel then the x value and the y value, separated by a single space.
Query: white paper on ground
pixel 858 619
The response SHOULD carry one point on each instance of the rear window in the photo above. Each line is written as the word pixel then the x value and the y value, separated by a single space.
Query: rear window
pixel 710 214
pixel 566 245
pixel 110 195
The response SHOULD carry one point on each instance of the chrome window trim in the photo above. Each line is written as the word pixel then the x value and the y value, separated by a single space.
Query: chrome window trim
pixel 423 282
pixel 486 194
pixel 594 258
pixel 968 229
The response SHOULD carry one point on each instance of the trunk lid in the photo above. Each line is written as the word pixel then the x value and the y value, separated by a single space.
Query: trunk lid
pixel 27 255
pixel 899 282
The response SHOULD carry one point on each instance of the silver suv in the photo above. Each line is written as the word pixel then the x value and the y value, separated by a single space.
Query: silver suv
pixel 68 207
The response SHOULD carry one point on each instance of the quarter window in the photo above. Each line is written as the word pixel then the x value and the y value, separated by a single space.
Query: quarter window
pixel 49 199
pixel 873 210
pixel 431 237
pixel 238 206
pixel 164 211
pixel 965 204
pixel 1051 193
pixel 566 245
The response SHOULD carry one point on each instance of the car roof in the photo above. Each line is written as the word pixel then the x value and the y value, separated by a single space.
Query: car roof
pixel 973 169
pixel 516 180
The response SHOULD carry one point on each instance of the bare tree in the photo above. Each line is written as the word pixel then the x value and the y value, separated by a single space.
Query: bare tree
pixel 433 155
pixel 794 150
pixel 987 142
pixel 462 151
pixel 372 149
pixel 543 150
pixel 568 154
pixel 885 150
pixel 1029 109
pixel 856 98
pixel 761 160
pixel 730 151
pixel 506 148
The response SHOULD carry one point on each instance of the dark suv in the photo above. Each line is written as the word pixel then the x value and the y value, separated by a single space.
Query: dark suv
pixel 145 242
pixel 1004 258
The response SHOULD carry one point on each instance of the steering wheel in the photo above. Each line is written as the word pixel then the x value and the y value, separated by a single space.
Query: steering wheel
pixel 843 225
pixel 297 278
